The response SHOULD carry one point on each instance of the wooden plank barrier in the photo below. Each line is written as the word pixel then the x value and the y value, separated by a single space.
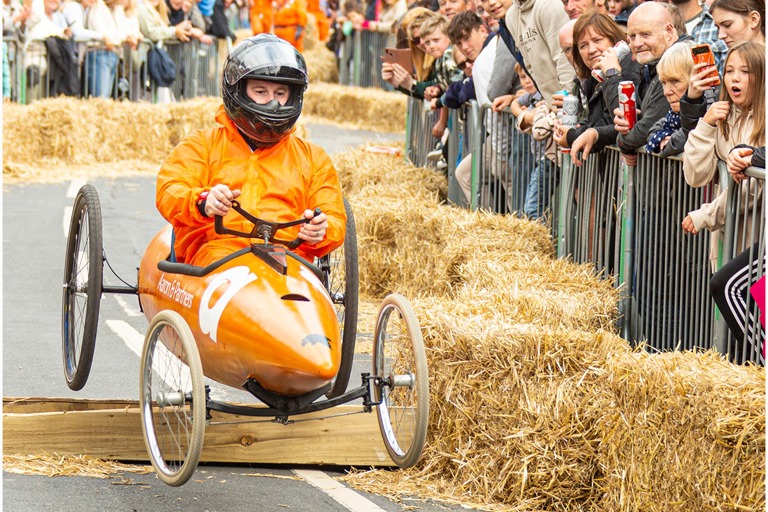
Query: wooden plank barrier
pixel 111 429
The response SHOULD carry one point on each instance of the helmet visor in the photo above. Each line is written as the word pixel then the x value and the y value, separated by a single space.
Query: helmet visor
pixel 274 62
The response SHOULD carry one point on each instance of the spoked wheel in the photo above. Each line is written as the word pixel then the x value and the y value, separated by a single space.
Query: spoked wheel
pixel 172 400
pixel 343 284
pixel 401 363
pixel 83 273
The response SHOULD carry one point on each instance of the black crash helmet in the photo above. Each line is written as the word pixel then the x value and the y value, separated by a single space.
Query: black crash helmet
pixel 263 57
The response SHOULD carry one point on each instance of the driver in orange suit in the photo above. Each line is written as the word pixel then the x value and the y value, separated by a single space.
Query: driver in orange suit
pixel 254 157
pixel 287 19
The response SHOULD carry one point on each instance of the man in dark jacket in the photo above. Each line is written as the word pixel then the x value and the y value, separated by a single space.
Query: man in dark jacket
pixel 651 31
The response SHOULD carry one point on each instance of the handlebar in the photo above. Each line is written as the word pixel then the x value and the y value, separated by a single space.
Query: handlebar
pixel 263 229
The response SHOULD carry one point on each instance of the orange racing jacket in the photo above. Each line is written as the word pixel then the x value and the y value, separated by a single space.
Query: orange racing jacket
pixel 278 183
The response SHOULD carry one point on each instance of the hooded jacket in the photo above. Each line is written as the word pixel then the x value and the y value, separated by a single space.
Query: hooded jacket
pixel 534 25
pixel 278 184
pixel 703 149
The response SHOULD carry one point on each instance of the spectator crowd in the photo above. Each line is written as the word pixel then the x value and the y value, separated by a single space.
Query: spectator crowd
pixel 85 47
pixel 697 70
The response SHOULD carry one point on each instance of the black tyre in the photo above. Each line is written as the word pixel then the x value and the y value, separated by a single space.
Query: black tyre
pixel 400 363
pixel 172 398
pixel 343 286
pixel 83 274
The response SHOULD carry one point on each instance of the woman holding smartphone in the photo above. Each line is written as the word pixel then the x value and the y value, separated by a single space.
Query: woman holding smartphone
pixel 737 21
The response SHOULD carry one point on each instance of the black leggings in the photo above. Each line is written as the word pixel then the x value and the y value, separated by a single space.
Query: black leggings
pixel 730 290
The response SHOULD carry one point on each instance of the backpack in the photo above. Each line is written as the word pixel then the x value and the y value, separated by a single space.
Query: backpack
pixel 160 67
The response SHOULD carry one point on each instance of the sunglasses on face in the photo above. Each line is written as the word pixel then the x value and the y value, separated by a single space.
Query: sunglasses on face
pixel 416 40
pixel 464 65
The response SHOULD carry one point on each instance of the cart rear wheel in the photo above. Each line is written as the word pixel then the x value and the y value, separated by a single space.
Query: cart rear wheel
pixel 83 273
pixel 173 402
pixel 400 362
pixel 343 286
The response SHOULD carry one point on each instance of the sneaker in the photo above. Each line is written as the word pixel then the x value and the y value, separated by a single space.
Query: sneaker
pixel 436 154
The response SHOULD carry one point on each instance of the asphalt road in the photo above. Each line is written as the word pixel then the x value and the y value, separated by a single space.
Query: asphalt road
pixel 33 255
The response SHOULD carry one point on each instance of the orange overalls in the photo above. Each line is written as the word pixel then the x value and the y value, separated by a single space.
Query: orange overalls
pixel 278 184
pixel 323 22
pixel 287 19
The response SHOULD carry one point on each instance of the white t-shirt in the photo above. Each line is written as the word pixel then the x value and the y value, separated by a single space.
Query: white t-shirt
pixel 482 70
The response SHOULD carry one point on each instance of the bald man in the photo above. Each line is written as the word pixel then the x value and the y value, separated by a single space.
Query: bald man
pixel 565 38
pixel 651 31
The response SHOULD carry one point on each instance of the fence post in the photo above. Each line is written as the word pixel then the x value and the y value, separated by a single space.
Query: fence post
pixel 565 213
pixel 477 133
pixel 626 263
pixel 357 58
pixel 720 332
pixel 455 195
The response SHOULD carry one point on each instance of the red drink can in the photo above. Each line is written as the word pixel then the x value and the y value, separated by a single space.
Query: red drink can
pixel 627 102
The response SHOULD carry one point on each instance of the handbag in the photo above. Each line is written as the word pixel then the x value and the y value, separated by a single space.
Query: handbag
pixel 160 66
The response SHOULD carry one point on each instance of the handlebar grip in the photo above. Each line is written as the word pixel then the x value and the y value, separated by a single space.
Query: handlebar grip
pixel 298 241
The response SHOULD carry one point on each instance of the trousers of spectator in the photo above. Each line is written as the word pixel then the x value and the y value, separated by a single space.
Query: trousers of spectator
pixel 730 288
pixel 100 68
pixel 539 189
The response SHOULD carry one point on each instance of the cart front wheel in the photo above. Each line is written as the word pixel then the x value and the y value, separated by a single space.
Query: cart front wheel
pixel 343 285
pixel 83 273
pixel 173 403
pixel 400 363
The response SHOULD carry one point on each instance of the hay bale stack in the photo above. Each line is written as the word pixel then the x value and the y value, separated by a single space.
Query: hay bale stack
pixel 366 108
pixel 97 130
pixel 75 131
pixel 536 405
pixel 322 65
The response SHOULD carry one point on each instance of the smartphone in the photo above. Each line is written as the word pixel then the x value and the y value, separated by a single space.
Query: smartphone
pixel 703 53
pixel 400 56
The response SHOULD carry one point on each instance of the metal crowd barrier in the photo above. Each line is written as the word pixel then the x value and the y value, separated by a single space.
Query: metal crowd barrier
pixel 14 57
pixel 665 272
pixel 458 149
pixel 360 59
pixel 745 226
pixel 506 163
pixel 418 133
pixel 197 68
pixel 626 221
pixel 588 224
pixel 35 80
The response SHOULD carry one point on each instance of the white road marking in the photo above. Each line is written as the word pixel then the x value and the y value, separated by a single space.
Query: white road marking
pixel 132 338
pixel 128 308
pixel 66 220
pixel 163 357
pixel 338 491
pixel 74 186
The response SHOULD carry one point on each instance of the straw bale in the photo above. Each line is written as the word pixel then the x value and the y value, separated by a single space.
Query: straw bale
pixel 97 130
pixel 366 108
pixel 322 65
pixel 64 133
pixel 310 33
pixel 535 403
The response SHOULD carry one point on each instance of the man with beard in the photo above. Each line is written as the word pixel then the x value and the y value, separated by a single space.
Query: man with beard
pixel 701 27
